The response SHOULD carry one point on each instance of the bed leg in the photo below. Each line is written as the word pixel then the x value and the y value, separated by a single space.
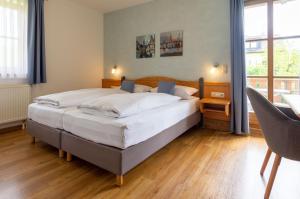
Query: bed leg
pixel 60 153
pixel 32 140
pixel 69 157
pixel 23 125
pixel 119 181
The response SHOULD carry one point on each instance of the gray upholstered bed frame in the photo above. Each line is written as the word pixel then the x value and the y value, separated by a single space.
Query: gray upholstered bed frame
pixel 120 161
pixel 115 160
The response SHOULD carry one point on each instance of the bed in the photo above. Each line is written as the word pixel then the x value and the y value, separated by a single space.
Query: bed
pixel 46 122
pixel 109 145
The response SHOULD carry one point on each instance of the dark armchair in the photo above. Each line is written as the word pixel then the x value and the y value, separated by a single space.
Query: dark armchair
pixel 281 128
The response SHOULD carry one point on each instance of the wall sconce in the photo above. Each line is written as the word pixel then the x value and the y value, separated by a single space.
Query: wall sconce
pixel 214 68
pixel 114 70
pixel 218 66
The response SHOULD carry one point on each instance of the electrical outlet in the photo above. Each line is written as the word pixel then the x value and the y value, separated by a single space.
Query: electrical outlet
pixel 217 94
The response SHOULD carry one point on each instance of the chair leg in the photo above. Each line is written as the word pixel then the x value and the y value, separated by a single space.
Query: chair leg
pixel 119 181
pixel 272 176
pixel 266 160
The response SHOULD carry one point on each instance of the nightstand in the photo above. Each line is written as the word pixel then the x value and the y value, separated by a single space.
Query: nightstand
pixel 215 105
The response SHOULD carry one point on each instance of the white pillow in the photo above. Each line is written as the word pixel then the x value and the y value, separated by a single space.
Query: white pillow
pixel 138 88
pixel 189 90
pixel 184 92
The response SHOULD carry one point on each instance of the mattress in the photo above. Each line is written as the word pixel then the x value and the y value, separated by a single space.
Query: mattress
pixel 49 116
pixel 125 132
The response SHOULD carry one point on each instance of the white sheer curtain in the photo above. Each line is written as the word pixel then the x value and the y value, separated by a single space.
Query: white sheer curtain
pixel 13 39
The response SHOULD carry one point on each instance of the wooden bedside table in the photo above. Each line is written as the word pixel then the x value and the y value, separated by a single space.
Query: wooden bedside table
pixel 213 102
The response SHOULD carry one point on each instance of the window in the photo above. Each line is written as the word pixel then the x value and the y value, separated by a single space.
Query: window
pixel 13 39
pixel 272 47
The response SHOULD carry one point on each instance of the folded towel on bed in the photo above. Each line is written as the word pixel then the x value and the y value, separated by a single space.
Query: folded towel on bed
pixel 75 97
pixel 123 105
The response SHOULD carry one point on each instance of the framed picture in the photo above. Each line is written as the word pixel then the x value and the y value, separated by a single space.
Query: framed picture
pixel 145 46
pixel 171 43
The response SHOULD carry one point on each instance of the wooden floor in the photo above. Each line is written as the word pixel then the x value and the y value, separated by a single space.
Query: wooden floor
pixel 199 164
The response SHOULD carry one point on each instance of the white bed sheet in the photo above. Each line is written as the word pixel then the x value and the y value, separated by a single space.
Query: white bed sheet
pixel 128 131
pixel 50 116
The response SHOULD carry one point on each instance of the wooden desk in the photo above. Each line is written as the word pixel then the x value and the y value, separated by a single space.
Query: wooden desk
pixel 294 102
pixel 214 101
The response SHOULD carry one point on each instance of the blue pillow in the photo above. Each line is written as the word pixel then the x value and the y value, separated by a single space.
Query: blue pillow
pixel 166 87
pixel 127 86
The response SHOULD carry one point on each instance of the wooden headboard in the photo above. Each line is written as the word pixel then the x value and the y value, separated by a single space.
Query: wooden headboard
pixel 154 80
pixel 151 81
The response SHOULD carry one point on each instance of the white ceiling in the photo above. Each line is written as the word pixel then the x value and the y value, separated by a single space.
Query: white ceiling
pixel 111 5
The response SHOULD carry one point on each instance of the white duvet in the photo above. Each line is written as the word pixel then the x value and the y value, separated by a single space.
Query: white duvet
pixel 75 97
pixel 124 105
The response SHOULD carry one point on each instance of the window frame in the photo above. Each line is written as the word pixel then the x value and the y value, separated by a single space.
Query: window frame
pixel 270 46
pixel 16 7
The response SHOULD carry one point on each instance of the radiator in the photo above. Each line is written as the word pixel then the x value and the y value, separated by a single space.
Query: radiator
pixel 14 101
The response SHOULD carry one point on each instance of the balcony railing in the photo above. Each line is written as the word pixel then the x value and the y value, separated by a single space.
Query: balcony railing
pixel 282 85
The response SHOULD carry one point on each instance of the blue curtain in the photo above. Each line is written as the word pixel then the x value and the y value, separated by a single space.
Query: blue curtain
pixel 239 110
pixel 36 42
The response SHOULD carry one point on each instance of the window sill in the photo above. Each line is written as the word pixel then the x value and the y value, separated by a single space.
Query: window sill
pixel 13 81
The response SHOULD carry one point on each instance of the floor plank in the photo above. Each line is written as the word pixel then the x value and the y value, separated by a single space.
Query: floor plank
pixel 199 164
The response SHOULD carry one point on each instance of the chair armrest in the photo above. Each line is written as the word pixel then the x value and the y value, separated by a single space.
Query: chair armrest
pixel 288 112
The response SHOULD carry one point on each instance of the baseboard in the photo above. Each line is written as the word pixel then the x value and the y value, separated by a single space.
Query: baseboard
pixel 220 125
